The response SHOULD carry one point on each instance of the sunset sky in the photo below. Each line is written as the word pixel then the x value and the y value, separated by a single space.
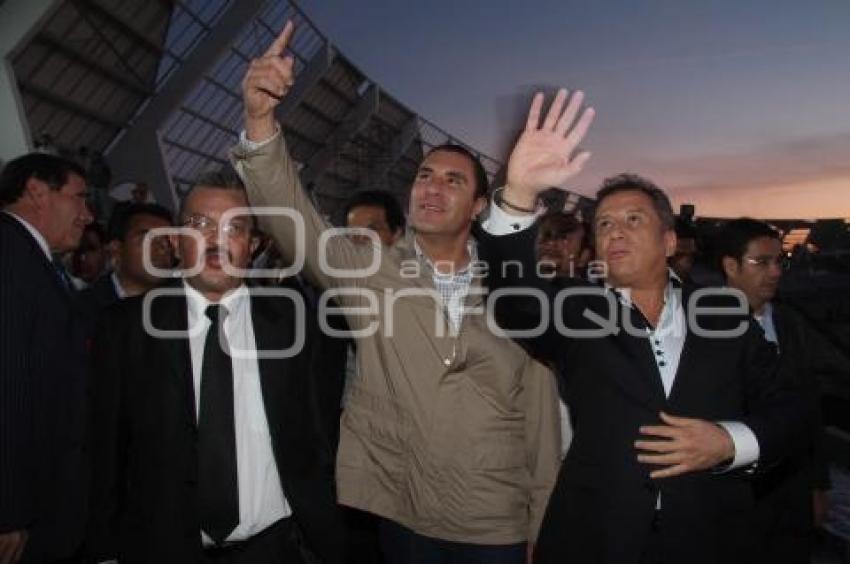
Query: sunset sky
pixel 740 107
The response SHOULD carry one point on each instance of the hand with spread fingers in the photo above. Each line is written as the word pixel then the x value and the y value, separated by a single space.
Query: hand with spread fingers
pixel 685 445
pixel 266 82
pixel 545 155
pixel 12 546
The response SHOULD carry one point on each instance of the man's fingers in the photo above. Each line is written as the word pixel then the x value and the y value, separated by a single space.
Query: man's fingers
pixel 661 431
pixel 7 548
pixel 282 66
pixel 273 86
pixel 19 553
pixel 669 459
pixel 676 421
pixel 555 110
pixel 671 471
pixel 569 115
pixel 534 112
pixel 282 41
pixel 579 161
pixel 578 132
pixel 658 446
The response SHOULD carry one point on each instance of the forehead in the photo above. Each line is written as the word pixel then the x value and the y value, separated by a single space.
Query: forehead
pixel 621 202
pixel 367 212
pixel 764 246
pixel 448 161
pixel 74 185
pixel 211 201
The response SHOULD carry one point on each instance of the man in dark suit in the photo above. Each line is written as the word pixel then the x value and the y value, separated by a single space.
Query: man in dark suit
pixel 791 498
pixel 208 448
pixel 42 362
pixel 129 277
pixel 670 401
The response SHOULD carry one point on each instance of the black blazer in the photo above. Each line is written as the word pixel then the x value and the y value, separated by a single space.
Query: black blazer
pixel 100 295
pixel 43 403
pixel 145 506
pixel 603 504
pixel 784 494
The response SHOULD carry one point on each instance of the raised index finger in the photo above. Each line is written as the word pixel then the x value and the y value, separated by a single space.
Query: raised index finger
pixel 282 40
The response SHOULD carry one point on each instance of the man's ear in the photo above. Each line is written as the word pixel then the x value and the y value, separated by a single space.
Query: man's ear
pixel 730 267
pixel 36 192
pixel 397 234
pixel 113 248
pixel 478 206
pixel 670 242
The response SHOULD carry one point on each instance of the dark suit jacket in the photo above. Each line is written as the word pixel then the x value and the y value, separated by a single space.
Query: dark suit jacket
pixel 604 502
pixel 43 470
pixel 99 295
pixel 145 499
pixel 784 493
pixel 94 300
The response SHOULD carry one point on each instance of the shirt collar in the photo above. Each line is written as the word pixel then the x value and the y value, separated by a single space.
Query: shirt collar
pixel 766 313
pixel 233 301
pixel 624 295
pixel 36 234
pixel 119 289
pixel 471 248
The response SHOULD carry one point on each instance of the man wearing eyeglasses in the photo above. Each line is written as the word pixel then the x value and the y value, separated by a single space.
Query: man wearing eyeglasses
pixel 792 496
pixel 208 444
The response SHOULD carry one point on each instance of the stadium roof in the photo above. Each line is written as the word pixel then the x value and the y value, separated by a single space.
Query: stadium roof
pixel 96 69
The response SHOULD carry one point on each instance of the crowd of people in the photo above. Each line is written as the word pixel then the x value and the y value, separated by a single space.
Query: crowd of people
pixel 480 379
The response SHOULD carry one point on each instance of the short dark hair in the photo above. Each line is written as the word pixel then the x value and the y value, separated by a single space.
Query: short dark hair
pixel 628 182
pixel 219 180
pixel 482 184
pixel 378 198
pixel 735 235
pixel 50 169
pixel 122 216
pixel 562 222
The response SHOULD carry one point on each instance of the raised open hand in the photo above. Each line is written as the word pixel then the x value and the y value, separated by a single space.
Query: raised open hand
pixel 545 155
pixel 266 82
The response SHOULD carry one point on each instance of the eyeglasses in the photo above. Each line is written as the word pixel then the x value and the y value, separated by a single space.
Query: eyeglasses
pixel 209 226
pixel 765 261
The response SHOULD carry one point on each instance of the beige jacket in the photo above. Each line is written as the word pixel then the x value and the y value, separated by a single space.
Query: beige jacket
pixel 455 437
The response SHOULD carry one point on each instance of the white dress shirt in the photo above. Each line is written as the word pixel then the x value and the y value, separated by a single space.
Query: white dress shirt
pixel 261 498
pixel 767 324
pixel 667 339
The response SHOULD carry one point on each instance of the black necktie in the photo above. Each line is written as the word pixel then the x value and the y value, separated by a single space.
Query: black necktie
pixel 217 475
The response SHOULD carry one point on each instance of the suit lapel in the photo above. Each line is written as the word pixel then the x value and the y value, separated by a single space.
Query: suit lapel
pixel 36 248
pixel 644 383
pixel 272 332
pixel 169 313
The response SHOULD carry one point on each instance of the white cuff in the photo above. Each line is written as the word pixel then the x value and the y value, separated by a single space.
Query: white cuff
pixel 746 444
pixel 249 145
pixel 500 222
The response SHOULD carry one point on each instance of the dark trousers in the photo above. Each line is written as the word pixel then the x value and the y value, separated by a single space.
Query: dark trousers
pixel 274 545
pixel 402 546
